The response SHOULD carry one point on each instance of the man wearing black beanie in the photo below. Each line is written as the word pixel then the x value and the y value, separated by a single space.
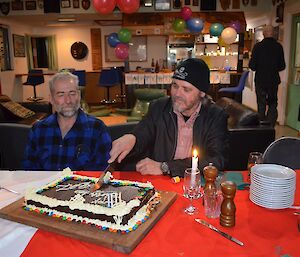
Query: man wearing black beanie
pixel 163 141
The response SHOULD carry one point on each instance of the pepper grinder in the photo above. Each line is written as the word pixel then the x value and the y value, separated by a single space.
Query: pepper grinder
pixel 227 217
pixel 210 174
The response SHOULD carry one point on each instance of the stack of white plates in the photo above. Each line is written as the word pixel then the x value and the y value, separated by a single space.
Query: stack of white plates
pixel 272 186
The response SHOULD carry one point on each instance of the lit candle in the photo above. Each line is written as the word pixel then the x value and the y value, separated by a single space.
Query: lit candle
pixel 195 161
pixel 194 167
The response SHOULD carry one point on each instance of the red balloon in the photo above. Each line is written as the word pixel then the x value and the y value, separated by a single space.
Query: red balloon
pixel 104 6
pixel 128 6
pixel 122 51
pixel 186 13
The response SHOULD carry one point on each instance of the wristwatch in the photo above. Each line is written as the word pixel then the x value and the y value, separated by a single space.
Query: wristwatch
pixel 165 168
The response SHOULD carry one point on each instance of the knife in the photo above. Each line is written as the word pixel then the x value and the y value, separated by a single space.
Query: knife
pixel 100 180
pixel 203 222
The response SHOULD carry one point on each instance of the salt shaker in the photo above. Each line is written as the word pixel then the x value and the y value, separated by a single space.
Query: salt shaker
pixel 228 209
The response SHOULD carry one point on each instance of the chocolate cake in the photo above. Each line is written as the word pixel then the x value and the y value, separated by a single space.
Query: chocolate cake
pixel 118 206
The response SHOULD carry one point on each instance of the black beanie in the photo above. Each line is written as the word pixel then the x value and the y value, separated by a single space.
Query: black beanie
pixel 194 71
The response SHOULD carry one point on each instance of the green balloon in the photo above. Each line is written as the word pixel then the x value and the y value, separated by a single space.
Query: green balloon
pixel 124 35
pixel 179 25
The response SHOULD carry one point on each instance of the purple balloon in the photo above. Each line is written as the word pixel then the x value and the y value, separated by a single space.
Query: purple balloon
pixel 122 51
pixel 195 25
pixel 236 25
pixel 113 39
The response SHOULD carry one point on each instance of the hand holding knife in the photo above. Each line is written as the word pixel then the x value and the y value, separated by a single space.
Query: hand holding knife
pixel 100 180
pixel 231 238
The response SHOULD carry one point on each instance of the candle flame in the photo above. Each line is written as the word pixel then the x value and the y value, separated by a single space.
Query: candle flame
pixel 195 153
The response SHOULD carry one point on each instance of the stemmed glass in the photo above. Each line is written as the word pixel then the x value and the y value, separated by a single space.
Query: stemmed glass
pixel 191 189
pixel 254 158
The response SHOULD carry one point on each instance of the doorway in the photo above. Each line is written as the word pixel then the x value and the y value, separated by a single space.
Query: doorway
pixel 293 97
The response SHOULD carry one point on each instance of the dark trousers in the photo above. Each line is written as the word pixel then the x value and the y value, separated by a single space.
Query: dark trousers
pixel 267 102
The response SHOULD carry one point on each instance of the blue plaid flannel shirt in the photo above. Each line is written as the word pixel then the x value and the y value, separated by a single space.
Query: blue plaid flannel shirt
pixel 85 147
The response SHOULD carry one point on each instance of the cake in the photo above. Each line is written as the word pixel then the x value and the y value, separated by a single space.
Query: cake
pixel 118 206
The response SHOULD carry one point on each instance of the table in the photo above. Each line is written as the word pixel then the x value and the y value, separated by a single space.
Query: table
pixel 264 232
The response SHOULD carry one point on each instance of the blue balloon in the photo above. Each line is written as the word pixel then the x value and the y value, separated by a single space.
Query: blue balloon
pixel 113 39
pixel 195 25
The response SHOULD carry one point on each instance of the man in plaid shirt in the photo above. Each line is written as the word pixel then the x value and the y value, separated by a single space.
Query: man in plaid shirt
pixel 69 137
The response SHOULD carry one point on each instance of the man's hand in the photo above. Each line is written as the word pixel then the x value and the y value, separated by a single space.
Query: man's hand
pixel 149 167
pixel 121 147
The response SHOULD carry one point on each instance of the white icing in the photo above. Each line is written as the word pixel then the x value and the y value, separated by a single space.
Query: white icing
pixel 118 208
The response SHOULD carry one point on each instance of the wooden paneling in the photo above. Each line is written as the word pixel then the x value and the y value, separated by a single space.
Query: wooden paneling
pixel 96 49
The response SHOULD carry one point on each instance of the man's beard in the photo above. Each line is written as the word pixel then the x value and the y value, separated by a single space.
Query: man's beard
pixel 185 107
pixel 70 112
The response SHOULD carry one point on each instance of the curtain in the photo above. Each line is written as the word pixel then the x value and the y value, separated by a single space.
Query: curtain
pixel 28 47
pixel 52 53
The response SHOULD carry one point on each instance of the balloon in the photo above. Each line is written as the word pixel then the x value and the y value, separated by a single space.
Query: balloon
pixel 121 51
pixel 104 6
pixel 113 39
pixel 186 13
pixel 236 25
pixel 179 25
pixel 128 6
pixel 221 42
pixel 228 35
pixel 216 29
pixel 195 25
pixel 124 35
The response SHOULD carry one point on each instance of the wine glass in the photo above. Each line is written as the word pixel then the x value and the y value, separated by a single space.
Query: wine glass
pixel 191 189
pixel 254 158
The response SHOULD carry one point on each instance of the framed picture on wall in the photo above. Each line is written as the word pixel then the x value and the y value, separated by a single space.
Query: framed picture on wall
pixel 162 5
pixel 30 5
pixel 137 50
pixel 65 4
pixel 17 5
pixel 19 45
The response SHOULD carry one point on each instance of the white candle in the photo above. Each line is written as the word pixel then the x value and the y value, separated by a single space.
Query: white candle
pixel 195 161
pixel 194 167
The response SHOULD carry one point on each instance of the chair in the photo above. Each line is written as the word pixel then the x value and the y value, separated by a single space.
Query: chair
pixel 284 151
pixel 109 78
pixel 81 74
pixel 143 98
pixel 35 77
pixel 13 140
pixel 237 91
pixel 81 77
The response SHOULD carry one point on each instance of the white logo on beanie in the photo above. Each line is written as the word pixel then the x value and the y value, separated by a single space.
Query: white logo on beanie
pixel 181 74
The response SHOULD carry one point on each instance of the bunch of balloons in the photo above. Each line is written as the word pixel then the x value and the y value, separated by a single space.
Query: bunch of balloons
pixel 227 35
pixel 194 25
pixel 125 6
pixel 120 42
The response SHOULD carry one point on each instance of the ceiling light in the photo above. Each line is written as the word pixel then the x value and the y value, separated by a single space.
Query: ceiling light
pixel 66 19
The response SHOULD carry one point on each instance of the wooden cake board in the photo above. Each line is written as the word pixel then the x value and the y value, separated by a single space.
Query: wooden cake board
pixel 121 243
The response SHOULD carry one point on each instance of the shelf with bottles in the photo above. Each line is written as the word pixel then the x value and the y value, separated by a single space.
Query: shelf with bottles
pixel 216 50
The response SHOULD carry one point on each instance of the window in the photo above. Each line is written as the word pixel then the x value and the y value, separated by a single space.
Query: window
pixel 41 52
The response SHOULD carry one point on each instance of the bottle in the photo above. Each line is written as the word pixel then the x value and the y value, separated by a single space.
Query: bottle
pixel 228 209
pixel 152 65
pixel 156 67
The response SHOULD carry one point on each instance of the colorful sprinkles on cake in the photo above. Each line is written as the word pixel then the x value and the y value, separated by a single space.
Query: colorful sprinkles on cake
pixel 117 212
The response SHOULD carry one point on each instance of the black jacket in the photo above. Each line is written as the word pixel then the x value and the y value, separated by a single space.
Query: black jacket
pixel 267 60
pixel 156 135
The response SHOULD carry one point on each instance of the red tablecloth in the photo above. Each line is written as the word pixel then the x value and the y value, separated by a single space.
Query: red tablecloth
pixel 264 232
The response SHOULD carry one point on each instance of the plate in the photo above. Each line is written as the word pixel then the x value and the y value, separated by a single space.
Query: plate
pixel 273 171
